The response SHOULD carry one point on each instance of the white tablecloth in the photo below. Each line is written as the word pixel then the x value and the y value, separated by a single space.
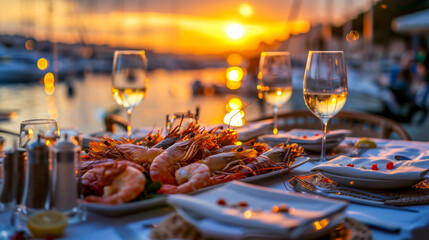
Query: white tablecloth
pixel 413 225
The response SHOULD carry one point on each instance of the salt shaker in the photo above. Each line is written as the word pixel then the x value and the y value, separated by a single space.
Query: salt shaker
pixel 36 195
pixel 67 180
pixel 8 186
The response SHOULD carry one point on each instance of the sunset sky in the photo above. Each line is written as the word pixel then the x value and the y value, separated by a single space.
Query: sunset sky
pixel 177 26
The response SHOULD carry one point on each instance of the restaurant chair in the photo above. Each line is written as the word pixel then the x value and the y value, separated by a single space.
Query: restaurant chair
pixel 361 124
pixel 113 120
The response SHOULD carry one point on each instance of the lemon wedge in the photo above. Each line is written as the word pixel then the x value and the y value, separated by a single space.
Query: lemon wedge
pixel 49 223
pixel 365 143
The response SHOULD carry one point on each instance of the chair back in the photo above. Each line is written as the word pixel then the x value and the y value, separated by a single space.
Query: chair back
pixel 361 124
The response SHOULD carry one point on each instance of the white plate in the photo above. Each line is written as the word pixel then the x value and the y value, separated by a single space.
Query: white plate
pixel 311 142
pixel 134 207
pixel 224 223
pixel 370 183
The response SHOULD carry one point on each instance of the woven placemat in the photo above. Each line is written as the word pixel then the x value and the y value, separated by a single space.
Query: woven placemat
pixel 174 226
pixel 415 195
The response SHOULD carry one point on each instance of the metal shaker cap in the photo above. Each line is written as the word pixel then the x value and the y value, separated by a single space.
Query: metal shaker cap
pixel 40 144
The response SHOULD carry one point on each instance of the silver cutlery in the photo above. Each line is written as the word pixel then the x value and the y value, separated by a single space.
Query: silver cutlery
pixel 402 158
pixel 358 152
pixel 341 191
pixel 366 202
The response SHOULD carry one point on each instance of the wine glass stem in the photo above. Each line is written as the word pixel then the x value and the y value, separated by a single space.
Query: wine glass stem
pixel 129 111
pixel 325 126
pixel 276 119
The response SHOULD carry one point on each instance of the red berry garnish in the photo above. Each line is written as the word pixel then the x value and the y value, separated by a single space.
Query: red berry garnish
pixel 326 180
pixel 304 136
pixel 221 202
pixel 374 167
pixel 316 134
pixel 389 165
pixel 243 204
pixel 350 165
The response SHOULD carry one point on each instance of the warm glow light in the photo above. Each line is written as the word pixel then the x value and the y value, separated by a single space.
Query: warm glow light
pixel 234 73
pixel 234 59
pixel 233 84
pixel 49 81
pixel 29 45
pixel 319 225
pixel 245 10
pixel 42 63
pixel 352 36
pixel 384 6
pixel 248 214
pixel 234 104
pixel 234 118
pixel 235 31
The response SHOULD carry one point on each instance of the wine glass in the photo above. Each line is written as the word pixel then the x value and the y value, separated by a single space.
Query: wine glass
pixel 275 81
pixel 129 80
pixel 325 87
pixel 30 129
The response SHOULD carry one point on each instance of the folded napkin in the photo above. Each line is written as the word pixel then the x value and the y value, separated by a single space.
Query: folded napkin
pixel 306 136
pixel 253 130
pixel 212 219
pixel 416 169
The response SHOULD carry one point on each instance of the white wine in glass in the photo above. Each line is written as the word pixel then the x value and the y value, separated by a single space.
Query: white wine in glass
pixel 129 80
pixel 325 87
pixel 275 81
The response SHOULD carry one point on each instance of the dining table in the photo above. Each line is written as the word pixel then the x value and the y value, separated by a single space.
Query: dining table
pixel 407 222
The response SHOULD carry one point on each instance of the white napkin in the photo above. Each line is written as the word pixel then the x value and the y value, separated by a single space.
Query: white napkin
pixel 212 219
pixel 255 129
pixel 416 169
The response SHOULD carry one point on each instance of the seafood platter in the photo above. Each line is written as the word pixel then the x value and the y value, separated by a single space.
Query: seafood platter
pixel 133 174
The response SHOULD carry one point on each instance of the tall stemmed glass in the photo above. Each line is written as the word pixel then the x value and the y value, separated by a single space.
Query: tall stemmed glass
pixel 275 81
pixel 325 87
pixel 130 82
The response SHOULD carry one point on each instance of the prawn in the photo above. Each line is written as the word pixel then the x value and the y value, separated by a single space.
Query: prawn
pixel 164 165
pixel 220 161
pixel 190 178
pixel 121 182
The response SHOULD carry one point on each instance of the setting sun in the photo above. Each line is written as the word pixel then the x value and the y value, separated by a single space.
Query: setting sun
pixel 235 31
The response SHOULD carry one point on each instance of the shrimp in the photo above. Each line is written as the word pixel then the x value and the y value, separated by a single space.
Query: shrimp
pixel 138 154
pixel 150 139
pixel 220 161
pixel 164 165
pixel 223 178
pixel 90 164
pixel 122 183
pixel 190 178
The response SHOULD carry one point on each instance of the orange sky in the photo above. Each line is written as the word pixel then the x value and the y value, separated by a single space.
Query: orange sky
pixel 185 26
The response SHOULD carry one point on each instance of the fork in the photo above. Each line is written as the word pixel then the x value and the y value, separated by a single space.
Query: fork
pixel 341 191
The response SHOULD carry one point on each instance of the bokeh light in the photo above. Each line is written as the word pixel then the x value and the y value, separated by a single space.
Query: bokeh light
pixel 234 59
pixel 49 81
pixel 235 31
pixel 42 63
pixel 29 45
pixel 234 104
pixel 352 36
pixel 234 118
pixel 245 10
pixel 234 73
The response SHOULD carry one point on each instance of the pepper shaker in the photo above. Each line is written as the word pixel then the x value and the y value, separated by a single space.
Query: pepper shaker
pixel 67 180
pixel 36 195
